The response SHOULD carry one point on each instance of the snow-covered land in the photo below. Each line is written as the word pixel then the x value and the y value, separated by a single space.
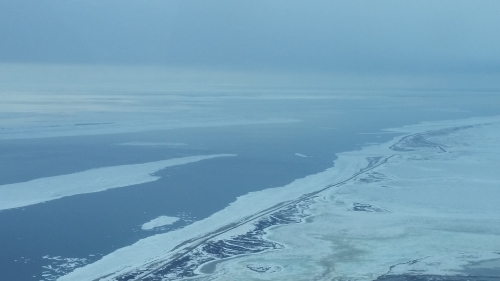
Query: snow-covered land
pixel 159 221
pixel 425 203
pixel 50 188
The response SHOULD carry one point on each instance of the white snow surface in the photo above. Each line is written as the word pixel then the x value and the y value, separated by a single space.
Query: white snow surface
pixel 159 221
pixel 439 213
pixel 95 180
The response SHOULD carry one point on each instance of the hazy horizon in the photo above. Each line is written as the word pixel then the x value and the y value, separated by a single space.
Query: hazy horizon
pixel 355 37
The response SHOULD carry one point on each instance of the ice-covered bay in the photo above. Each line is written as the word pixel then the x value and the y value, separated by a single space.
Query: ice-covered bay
pixel 50 188
pixel 424 203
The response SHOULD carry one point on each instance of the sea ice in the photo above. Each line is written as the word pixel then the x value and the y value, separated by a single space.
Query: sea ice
pixel 159 221
pixel 50 188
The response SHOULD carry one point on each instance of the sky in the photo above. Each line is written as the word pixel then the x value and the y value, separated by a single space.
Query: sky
pixel 319 36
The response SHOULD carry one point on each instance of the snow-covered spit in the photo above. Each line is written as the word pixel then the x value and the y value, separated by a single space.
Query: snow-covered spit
pixel 159 221
pixel 50 188
pixel 431 206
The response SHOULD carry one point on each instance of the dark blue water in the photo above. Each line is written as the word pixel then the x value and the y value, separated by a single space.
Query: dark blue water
pixel 99 223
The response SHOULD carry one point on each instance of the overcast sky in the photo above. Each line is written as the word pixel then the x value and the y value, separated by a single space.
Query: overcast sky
pixel 346 36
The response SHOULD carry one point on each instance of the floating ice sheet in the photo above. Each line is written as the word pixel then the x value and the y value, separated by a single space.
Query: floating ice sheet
pixel 159 221
pixel 50 188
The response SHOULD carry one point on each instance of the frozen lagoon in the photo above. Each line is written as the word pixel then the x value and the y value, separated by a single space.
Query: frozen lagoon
pixel 420 205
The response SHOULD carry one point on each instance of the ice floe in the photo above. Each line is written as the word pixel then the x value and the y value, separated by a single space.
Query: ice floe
pixel 159 221
pixel 57 266
pixel 50 188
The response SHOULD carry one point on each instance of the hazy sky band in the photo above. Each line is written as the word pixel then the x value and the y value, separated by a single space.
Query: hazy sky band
pixel 354 36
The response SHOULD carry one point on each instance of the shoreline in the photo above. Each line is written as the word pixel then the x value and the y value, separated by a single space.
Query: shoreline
pixel 145 259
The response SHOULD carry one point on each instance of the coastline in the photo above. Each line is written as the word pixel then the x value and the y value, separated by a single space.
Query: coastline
pixel 243 216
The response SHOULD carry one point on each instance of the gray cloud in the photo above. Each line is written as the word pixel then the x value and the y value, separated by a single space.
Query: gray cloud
pixel 348 36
